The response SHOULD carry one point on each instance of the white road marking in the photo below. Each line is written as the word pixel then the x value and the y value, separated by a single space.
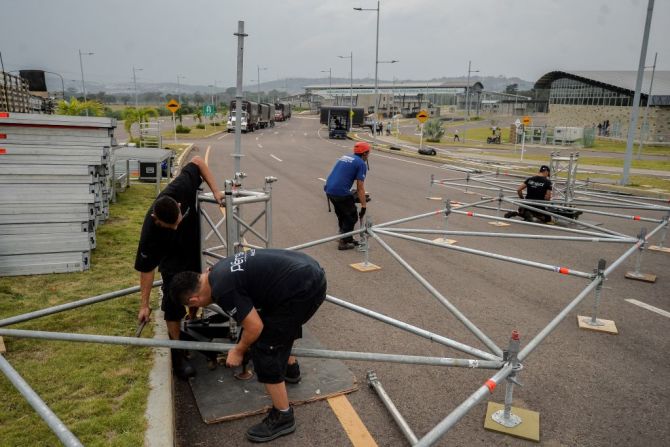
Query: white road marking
pixel 276 158
pixel 256 138
pixel 221 137
pixel 649 307
pixel 260 145
pixel 305 134
pixel 322 179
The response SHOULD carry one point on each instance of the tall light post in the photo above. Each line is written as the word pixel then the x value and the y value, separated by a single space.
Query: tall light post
pixel 467 90
pixel 351 84
pixel 135 83
pixel 389 62
pixel 179 87
pixel 330 79
pixel 374 131
pixel 258 85
pixel 81 66
pixel 62 81
pixel 646 109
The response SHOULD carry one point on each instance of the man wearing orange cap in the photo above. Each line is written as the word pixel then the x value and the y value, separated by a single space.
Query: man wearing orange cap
pixel 347 169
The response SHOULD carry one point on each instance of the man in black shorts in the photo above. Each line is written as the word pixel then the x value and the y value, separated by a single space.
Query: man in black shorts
pixel 271 293
pixel 539 188
pixel 170 240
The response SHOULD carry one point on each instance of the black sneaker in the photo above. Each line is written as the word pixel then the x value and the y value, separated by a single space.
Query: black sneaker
pixel 292 373
pixel 345 245
pixel 180 364
pixel 510 214
pixel 275 424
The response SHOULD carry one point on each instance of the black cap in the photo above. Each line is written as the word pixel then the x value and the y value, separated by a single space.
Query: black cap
pixel 544 168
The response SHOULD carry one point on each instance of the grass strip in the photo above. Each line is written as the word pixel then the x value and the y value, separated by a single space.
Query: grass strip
pixel 98 391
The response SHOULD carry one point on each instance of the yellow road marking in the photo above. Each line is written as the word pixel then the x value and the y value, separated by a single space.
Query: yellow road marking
pixel 207 154
pixel 352 424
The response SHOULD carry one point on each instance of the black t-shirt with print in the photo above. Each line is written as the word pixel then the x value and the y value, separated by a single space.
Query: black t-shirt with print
pixel 173 251
pixel 537 186
pixel 263 279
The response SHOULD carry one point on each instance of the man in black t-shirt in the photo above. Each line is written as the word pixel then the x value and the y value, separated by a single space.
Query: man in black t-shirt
pixel 271 293
pixel 538 188
pixel 170 240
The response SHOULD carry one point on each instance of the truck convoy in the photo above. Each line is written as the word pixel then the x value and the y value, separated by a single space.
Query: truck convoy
pixel 266 115
pixel 282 111
pixel 250 116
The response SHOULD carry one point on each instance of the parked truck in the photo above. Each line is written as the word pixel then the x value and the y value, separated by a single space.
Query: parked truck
pixel 250 116
pixel 266 115
pixel 356 119
pixel 282 111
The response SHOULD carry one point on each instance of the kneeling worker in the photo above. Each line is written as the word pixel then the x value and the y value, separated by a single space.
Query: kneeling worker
pixel 539 188
pixel 271 293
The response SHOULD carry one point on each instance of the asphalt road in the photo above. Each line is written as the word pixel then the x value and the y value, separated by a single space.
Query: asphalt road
pixel 590 389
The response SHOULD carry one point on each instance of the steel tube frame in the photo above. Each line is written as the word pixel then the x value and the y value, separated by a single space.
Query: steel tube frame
pixel 433 291
pixel 600 213
pixel 326 239
pixel 412 329
pixel 432 213
pixel 73 305
pixel 55 424
pixel 404 427
pixel 473 251
pixel 224 347
pixel 512 235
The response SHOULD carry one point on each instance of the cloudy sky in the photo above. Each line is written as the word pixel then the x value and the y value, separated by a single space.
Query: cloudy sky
pixel 299 38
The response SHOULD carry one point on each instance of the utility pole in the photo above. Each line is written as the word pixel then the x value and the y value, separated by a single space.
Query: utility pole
pixel 83 83
pixel 374 130
pixel 467 90
pixel 179 88
pixel 628 160
pixel 258 88
pixel 135 83
pixel 646 109
pixel 238 96
pixel 351 84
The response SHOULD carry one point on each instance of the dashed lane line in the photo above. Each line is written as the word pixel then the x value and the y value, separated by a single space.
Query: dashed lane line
pixel 322 179
pixel 207 155
pixel 222 136
pixel 353 425
pixel 665 313
pixel 275 157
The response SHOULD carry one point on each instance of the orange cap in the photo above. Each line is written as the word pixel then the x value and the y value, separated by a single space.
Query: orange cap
pixel 361 147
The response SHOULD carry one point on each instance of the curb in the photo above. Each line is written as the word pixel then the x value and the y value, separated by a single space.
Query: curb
pixel 160 404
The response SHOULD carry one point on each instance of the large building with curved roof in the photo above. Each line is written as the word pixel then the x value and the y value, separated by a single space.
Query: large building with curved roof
pixel 585 98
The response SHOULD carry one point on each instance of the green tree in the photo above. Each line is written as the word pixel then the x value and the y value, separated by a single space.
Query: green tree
pixel 132 115
pixel 197 114
pixel 78 108
pixel 433 130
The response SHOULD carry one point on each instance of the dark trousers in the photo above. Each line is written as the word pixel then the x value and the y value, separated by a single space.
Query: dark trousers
pixel 346 212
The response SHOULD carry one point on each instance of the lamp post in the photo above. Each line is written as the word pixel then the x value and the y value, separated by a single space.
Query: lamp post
pixel 135 83
pixel 330 77
pixel 467 90
pixel 351 84
pixel 393 61
pixel 81 66
pixel 259 81
pixel 62 81
pixel 374 131
pixel 646 109
pixel 179 87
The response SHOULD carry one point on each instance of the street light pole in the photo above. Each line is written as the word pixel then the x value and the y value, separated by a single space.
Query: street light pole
pixel 374 130
pixel 179 87
pixel 646 109
pixel 467 90
pixel 62 81
pixel 135 83
pixel 259 81
pixel 81 66
pixel 330 77
pixel 351 84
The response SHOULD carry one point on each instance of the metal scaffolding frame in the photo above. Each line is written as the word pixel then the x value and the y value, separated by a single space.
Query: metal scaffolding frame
pixel 507 362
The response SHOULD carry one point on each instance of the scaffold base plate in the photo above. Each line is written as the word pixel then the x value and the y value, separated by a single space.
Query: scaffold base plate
pixel 220 397
pixel 528 429
pixel 434 198
pixel 3 349
pixel 499 224
pixel 606 326
pixel 441 240
pixel 645 277
pixel 363 267
pixel 658 248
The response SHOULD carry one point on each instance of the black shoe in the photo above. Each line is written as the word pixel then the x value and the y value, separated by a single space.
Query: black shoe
pixel 292 373
pixel 510 214
pixel 180 364
pixel 345 245
pixel 275 424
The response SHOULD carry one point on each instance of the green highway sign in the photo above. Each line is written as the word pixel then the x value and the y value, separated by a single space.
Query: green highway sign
pixel 208 110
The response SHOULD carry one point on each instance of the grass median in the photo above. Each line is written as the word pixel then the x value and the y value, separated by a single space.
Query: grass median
pixel 98 391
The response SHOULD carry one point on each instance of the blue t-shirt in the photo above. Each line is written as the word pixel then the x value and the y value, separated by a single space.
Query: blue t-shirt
pixel 347 169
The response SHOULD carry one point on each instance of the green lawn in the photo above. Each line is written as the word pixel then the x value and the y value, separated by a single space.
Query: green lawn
pixel 209 129
pixel 98 391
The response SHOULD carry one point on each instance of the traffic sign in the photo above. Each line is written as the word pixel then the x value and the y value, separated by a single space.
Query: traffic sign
pixel 208 110
pixel 517 123
pixel 422 116
pixel 172 106
pixel 527 121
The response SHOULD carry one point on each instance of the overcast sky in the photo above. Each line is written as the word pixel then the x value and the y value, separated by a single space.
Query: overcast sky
pixel 299 38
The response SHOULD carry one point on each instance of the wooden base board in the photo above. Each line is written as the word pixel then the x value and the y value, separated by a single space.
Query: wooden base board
pixel 657 248
pixel 3 349
pixel 645 277
pixel 528 429
pixel 434 198
pixel 499 224
pixel 441 240
pixel 608 326
pixel 363 267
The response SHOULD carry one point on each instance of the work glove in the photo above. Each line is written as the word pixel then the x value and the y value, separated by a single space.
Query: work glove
pixel 361 213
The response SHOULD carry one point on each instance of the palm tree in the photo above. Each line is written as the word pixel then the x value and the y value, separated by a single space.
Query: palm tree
pixel 132 115
pixel 198 115
pixel 78 108
pixel 433 130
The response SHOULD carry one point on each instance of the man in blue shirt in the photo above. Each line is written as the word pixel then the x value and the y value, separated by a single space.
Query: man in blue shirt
pixel 347 169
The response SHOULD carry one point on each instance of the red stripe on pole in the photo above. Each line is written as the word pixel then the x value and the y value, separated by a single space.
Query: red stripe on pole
pixel 4 115
pixel 564 270
pixel 3 150
pixel 470 214
pixel 491 385
pixel 636 217
pixel 3 136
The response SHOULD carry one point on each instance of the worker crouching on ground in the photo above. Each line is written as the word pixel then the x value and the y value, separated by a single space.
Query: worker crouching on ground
pixel 347 169
pixel 271 293
pixel 538 188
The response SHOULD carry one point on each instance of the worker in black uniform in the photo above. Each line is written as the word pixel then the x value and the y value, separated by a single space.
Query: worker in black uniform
pixel 538 187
